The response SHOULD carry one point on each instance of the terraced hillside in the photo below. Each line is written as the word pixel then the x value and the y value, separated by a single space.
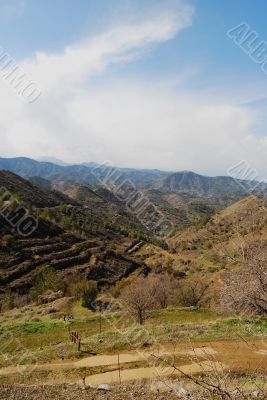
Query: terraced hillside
pixel 69 256
pixel 87 237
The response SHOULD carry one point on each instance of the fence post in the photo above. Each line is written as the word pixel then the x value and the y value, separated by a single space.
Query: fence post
pixel 119 367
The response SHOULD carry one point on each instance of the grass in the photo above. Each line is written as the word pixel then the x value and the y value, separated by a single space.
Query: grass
pixel 239 328
pixel 183 315
pixel 50 339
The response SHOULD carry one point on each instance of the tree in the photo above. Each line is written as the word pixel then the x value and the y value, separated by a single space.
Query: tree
pixel 245 289
pixel 193 290
pixel 162 289
pixel 139 298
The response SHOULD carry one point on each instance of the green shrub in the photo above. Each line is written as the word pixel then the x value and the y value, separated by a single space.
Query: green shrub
pixel 86 291
pixel 45 279
pixel 89 295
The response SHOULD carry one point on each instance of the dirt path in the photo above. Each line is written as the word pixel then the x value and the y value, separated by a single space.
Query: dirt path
pixel 235 355
pixel 151 372
pixel 103 360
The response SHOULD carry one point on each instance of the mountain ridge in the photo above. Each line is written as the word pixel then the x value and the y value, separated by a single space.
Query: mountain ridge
pixel 186 182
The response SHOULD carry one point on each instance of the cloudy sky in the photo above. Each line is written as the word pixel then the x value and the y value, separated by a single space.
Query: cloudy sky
pixel 142 83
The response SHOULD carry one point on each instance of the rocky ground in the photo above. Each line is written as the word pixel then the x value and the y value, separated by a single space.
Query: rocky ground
pixel 75 392
pixel 133 391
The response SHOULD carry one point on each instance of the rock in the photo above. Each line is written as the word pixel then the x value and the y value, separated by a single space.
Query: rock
pixel 49 297
pixel 86 387
pixel 181 393
pixel 50 310
pixel 255 394
pixel 104 387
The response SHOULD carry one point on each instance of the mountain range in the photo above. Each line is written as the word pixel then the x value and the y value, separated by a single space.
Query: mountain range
pixel 186 183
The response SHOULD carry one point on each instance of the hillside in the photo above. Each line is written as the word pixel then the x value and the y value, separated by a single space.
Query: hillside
pixel 88 232
pixel 44 183
pixel 30 192
pixel 85 237
pixel 242 222
pixel 206 251
pixel 224 188
pixel 180 210
pixel 182 198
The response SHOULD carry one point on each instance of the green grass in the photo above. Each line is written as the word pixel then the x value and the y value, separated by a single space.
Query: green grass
pixel 50 340
pixel 239 328
pixel 183 315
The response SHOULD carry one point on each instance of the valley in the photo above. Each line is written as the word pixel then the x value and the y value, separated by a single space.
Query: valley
pixel 96 267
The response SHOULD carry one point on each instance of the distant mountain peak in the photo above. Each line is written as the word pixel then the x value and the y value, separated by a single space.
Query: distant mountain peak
pixel 52 160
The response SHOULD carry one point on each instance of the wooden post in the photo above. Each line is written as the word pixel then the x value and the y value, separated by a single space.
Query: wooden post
pixel 119 367
pixel 74 337
pixel 100 321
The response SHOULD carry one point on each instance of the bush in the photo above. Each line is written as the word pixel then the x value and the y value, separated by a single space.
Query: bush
pixel 45 279
pixel 9 240
pixel 89 295
pixel 86 291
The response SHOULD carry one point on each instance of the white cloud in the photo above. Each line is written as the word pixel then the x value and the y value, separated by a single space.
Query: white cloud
pixel 131 123
pixel 93 55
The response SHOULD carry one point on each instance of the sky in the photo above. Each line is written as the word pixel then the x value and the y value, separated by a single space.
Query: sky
pixel 138 83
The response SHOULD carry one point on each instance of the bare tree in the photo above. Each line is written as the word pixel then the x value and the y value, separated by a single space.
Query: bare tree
pixel 245 289
pixel 163 288
pixel 193 290
pixel 139 298
pixel 240 250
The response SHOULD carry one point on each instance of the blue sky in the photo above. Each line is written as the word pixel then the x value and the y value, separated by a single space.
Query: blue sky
pixel 49 25
pixel 107 94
